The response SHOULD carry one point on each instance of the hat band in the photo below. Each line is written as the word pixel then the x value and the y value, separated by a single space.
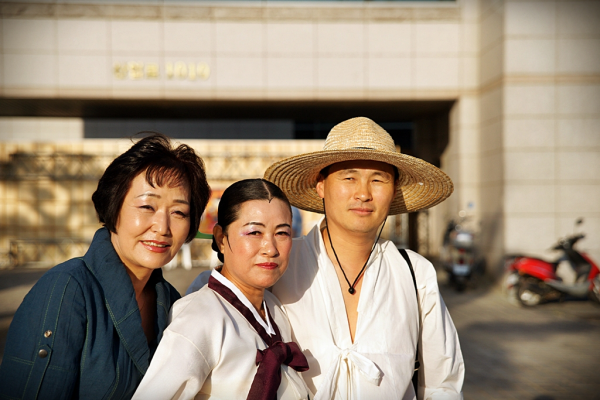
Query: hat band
pixel 362 148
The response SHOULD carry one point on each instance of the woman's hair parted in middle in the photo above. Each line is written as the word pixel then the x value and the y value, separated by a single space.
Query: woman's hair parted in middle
pixel 240 192
pixel 163 165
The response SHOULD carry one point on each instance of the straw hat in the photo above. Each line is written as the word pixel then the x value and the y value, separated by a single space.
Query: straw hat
pixel 421 185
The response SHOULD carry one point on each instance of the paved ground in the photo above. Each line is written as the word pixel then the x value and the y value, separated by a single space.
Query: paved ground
pixel 551 352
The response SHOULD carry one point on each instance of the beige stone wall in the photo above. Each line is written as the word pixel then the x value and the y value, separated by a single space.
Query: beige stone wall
pixel 491 168
pixel 252 50
pixel 46 212
pixel 540 124
pixel 462 156
pixel 551 113
pixel 526 143
pixel 40 129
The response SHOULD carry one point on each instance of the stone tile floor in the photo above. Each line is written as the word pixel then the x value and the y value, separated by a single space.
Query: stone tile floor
pixel 551 352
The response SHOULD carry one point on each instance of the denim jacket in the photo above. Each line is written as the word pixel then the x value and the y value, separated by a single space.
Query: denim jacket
pixel 78 333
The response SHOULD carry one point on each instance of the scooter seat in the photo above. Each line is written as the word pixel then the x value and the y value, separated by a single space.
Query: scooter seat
pixel 553 263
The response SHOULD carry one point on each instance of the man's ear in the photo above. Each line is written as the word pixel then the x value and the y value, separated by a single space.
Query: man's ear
pixel 320 186
pixel 219 236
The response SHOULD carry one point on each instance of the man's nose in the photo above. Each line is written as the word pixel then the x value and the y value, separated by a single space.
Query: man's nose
pixel 363 191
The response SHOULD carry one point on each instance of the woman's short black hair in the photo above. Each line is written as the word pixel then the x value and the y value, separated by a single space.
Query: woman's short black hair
pixel 163 165
pixel 240 192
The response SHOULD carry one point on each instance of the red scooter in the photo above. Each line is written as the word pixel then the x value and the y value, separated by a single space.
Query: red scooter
pixel 534 281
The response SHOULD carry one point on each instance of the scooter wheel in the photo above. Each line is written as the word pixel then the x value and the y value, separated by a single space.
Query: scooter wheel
pixel 510 282
pixel 528 292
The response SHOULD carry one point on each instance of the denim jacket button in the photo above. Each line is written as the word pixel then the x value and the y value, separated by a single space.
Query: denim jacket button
pixel 48 333
pixel 43 353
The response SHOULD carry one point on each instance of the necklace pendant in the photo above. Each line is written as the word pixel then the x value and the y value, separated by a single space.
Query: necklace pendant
pixel 351 290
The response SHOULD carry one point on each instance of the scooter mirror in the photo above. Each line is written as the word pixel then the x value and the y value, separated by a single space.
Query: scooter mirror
pixel 579 221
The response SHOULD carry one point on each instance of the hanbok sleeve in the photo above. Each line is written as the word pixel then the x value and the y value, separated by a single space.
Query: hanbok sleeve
pixel 442 367
pixel 177 371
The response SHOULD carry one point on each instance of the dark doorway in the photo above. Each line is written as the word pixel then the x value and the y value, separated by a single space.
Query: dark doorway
pixel 420 128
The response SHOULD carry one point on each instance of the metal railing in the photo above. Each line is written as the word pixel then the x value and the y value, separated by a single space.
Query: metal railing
pixel 55 166
pixel 86 167
pixel 45 252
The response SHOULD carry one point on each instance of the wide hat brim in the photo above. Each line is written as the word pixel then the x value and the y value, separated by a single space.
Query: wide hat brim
pixel 420 186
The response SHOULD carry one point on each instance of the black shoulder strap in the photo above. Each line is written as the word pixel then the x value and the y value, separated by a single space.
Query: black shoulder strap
pixel 415 378
pixel 412 271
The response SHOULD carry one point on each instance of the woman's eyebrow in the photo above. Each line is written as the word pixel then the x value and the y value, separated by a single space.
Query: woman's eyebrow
pixel 254 223
pixel 150 194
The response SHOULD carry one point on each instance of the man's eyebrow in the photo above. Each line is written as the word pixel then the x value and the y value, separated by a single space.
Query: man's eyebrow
pixel 377 172
pixel 383 173
pixel 150 194
pixel 283 225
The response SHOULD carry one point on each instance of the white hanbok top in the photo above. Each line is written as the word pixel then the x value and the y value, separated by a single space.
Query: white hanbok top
pixel 209 351
pixel 379 364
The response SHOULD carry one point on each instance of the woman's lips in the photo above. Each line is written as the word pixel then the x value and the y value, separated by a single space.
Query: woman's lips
pixel 268 265
pixel 156 247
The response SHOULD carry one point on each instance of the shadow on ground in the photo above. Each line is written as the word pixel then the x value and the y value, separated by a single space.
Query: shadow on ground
pixel 549 352
pixel 18 277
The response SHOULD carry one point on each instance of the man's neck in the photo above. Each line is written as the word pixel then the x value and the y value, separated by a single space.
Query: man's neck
pixel 352 249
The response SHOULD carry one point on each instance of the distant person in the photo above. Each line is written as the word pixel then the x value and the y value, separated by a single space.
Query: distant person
pixel 351 298
pixel 230 339
pixel 296 222
pixel 90 326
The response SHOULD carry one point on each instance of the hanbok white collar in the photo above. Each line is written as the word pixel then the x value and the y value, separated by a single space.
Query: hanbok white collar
pixel 241 297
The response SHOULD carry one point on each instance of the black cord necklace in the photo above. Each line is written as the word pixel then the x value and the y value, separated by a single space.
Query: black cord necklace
pixel 351 289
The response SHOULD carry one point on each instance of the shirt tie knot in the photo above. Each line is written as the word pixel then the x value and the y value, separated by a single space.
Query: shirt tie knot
pixel 353 360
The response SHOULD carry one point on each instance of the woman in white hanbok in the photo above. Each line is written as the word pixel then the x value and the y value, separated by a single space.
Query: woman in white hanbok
pixel 231 339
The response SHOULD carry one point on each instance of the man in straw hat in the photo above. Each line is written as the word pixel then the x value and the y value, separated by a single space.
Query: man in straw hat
pixel 361 341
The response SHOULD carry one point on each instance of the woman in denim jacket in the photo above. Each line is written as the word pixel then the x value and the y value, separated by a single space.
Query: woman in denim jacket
pixel 89 327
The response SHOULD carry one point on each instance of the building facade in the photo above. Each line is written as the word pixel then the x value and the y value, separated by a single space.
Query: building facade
pixel 503 95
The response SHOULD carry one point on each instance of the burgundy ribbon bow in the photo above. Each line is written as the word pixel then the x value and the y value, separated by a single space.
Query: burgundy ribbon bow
pixel 268 376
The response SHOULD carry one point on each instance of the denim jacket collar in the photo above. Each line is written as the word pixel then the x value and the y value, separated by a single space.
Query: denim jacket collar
pixel 104 263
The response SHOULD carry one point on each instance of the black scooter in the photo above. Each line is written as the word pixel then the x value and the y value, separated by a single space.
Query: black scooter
pixel 460 256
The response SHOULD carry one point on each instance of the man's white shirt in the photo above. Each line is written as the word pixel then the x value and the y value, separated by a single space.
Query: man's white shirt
pixel 379 364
